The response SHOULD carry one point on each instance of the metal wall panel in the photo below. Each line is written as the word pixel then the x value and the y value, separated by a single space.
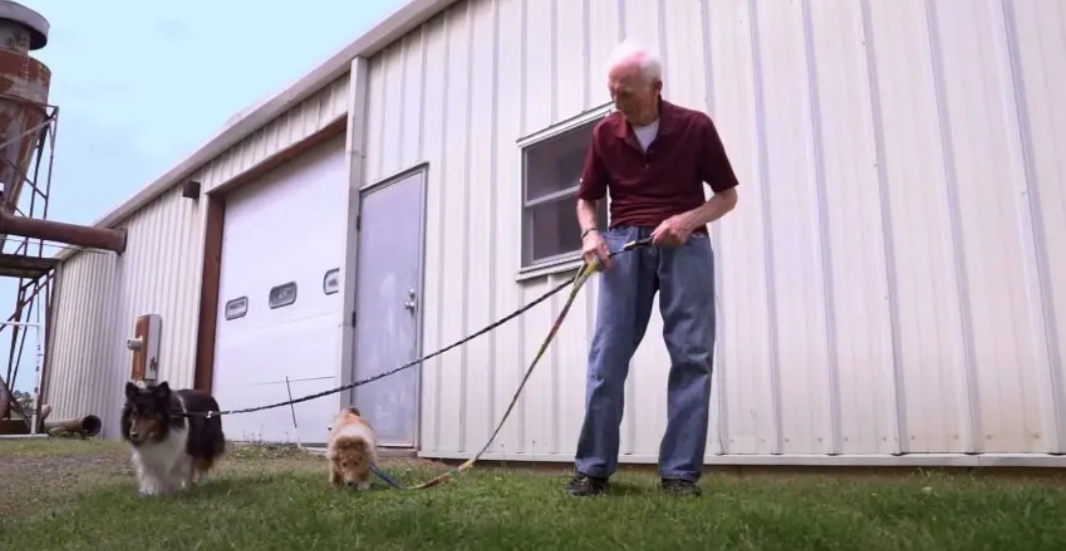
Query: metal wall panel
pixel 297 124
pixel 99 295
pixel 894 276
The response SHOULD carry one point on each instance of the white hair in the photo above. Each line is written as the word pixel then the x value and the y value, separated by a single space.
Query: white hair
pixel 628 52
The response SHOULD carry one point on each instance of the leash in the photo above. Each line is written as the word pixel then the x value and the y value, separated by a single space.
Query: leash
pixel 368 380
pixel 578 280
pixel 586 270
pixel 388 479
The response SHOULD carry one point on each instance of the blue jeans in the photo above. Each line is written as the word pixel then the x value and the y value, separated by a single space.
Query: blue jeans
pixel 684 277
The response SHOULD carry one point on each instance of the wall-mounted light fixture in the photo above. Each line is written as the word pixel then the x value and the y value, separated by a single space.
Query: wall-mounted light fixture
pixel 190 190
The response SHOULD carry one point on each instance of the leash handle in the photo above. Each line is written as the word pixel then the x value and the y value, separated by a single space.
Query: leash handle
pixel 638 244
pixel 596 263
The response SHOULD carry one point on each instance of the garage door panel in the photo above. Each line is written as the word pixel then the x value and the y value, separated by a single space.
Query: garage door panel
pixel 275 425
pixel 256 278
pixel 272 251
pixel 278 223
pixel 305 349
pixel 311 175
pixel 311 303
pixel 251 276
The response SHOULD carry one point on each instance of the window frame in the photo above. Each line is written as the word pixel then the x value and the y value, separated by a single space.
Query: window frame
pixel 562 261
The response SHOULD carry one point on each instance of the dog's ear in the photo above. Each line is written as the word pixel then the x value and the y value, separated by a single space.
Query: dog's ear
pixel 354 411
pixel 131 390
pixel 162 391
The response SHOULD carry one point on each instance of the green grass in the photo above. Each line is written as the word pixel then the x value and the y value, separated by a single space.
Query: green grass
pixel 271 499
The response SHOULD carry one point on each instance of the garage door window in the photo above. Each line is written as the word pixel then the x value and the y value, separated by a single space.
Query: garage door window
pixel 236 308
pixel 331 282
pixel 282 295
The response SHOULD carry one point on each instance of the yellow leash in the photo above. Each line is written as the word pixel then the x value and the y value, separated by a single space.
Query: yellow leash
pixel 586 271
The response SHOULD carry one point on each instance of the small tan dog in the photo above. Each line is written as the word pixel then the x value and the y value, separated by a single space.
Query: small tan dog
pixel 352 449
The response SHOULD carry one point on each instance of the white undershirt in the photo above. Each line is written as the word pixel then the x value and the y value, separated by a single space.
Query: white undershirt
pixel 645 134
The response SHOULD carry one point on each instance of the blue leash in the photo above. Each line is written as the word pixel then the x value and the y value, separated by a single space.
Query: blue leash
pixel 388 479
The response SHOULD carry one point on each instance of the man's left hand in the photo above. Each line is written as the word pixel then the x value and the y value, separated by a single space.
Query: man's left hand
pixel 672 232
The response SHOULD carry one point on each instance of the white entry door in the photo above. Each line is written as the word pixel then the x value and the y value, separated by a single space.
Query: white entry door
pixel 388 307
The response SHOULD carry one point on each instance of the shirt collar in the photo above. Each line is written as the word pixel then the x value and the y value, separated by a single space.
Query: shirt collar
pixel 667 120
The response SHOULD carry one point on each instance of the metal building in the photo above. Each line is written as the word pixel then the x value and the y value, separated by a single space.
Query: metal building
pixel 890 286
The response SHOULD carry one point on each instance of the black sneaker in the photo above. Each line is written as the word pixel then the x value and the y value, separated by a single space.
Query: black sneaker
pixel 584 485
pixel 678 487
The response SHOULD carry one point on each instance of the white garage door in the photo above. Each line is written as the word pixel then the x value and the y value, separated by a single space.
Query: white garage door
pixel 282 236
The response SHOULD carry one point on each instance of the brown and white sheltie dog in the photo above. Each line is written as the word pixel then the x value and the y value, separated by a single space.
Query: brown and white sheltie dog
pixel 352 449
pixel 170 452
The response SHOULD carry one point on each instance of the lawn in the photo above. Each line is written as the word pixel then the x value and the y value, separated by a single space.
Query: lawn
pixel 66 495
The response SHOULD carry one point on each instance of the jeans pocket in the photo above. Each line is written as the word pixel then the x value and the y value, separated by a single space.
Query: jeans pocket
pixel 614 237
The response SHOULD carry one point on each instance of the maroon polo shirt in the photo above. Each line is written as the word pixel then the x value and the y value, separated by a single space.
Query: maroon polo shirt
pixel 647 188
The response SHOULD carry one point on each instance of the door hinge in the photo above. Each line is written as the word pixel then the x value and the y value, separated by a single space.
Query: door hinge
pixel 353 318
pixel 358 222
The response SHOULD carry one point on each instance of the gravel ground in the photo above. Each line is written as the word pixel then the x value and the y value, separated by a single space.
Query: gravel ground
pixel 37 473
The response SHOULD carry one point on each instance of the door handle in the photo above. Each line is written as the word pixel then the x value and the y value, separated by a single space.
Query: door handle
pixel 410 304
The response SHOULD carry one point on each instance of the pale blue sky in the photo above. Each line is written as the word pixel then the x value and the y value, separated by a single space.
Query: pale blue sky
pixel 140 85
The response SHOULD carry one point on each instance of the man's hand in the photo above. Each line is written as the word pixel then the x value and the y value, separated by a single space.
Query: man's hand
pixel 594 247
pixel 672 232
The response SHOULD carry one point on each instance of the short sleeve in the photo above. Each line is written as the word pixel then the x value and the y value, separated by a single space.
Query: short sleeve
pixel 714 166
pixel 593 184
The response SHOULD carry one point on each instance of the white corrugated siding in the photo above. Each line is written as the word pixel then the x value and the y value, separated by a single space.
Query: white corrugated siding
pixel 100 294
pixel 893 278
pixel 294 126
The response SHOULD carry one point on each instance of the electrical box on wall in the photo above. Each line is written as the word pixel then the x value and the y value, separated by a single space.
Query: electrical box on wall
pixel 147 336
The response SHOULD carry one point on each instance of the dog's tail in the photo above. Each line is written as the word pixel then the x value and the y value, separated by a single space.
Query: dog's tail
pixel 220 443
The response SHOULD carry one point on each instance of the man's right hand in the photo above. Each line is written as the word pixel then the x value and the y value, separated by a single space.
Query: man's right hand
pixel 594 247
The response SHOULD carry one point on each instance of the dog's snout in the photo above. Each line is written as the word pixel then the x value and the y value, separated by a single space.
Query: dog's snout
pixel 134 434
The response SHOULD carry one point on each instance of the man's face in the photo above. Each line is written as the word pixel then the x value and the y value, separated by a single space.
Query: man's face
pixel 631 93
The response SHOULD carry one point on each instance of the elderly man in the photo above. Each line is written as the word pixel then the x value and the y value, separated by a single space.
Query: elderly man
pixel 654 157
